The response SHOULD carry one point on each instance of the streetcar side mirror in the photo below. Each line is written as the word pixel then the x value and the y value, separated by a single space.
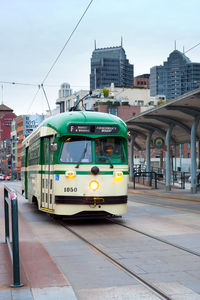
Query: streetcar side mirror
pixel 53 147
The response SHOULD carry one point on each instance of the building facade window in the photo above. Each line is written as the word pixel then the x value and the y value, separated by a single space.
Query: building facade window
pixel 113 110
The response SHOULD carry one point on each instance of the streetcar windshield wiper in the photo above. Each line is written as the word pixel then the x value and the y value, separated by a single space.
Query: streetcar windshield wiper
pixel 82 156
pixel 108 158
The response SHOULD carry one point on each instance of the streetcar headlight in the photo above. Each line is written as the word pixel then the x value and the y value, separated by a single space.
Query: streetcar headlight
pixel 70 174
pixel 93 185
pixel 118 175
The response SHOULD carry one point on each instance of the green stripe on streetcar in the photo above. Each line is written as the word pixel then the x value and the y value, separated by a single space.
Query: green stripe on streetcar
pixel 77 172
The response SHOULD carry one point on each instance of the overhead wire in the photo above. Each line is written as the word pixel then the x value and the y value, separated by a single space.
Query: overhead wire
pixel 34 98
pixel 192 48
pixel 56 60
pixel 18 83
pixel 45 95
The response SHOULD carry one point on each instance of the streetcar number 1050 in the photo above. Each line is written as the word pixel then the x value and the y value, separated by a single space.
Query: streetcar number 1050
pixel 70 189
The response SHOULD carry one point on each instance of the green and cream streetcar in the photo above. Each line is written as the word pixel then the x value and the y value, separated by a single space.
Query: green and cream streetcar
pixel 77 162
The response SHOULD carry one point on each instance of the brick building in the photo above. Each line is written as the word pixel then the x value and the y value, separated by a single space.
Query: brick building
pixel 6 117
pixel 123 111
pixel 142 81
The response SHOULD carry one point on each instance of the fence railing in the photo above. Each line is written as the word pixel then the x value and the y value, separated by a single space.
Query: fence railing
pixel 10 203
pixel 145 178
pixel 179 179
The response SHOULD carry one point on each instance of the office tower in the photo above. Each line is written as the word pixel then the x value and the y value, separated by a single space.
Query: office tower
pixel 177 76
pixel 110 65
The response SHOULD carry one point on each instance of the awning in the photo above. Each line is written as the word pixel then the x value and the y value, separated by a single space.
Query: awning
pixel 181 112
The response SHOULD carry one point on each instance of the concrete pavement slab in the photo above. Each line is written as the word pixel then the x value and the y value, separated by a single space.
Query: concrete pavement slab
pixel 178 291
pixel 135 292
pixel 5 294
pixel 54 293
pixel 21 294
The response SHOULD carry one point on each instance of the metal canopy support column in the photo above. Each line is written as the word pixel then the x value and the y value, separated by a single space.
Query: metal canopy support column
pixel 148 159
pixel 131 155
pixel 193 156
pixel 168 166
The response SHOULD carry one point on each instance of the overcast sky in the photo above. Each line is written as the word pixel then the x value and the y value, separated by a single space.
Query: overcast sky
pixel 33 32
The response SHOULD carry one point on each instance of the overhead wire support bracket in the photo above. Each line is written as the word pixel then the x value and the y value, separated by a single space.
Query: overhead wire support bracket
pixel 46 98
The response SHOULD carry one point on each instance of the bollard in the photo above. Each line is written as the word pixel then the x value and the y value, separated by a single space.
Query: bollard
pixel 134 181
pixel 10 200
pixel 155 174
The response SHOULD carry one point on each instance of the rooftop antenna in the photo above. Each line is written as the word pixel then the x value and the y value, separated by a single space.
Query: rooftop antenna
pixel 183 49
pixel 121 41
pixel 175 45
pixel 95 46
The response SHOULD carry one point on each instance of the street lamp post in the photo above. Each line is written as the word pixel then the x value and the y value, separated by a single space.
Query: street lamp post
pixel 11 157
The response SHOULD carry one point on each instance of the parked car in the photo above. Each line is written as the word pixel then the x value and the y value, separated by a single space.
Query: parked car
pixel 197 174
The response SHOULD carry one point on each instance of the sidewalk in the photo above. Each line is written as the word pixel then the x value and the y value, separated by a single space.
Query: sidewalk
pixel 39 273
pixel 175 193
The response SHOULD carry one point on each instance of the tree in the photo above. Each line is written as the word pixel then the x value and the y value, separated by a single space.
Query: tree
pixel 105 92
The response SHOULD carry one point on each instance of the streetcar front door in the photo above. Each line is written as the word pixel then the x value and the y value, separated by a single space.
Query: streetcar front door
pixel 46 174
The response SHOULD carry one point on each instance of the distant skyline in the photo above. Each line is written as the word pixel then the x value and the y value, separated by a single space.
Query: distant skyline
pixel 34 32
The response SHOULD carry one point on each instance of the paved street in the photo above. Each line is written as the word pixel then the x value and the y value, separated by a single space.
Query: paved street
pixel 92 276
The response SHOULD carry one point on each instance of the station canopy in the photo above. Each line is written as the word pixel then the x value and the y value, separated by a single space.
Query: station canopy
pixel 181 112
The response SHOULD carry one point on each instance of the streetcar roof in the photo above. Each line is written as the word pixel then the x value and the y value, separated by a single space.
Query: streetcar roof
pixel 61 121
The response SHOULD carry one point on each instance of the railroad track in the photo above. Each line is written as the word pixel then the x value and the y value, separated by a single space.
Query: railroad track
pixel 156 238
pixel 148 235
pixel 132 274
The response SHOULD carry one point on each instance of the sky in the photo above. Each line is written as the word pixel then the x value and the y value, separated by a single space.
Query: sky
pixel 33 32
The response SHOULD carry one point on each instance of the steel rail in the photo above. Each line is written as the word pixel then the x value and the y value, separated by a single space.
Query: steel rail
pixel 142 281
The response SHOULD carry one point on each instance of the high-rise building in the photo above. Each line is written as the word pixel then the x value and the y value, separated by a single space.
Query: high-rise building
pixel 177 76
pixel 65 90
pixel 110 65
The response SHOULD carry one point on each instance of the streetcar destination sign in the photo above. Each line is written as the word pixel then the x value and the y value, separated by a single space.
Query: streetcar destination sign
pixel 96 129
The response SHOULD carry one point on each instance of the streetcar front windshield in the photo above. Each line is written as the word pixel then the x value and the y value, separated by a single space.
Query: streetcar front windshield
pixel 109 150
pixel 76 150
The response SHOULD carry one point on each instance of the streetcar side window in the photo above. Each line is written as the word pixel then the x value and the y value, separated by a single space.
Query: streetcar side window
pixel 109 149
pixel 76 150
pixel 34 153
